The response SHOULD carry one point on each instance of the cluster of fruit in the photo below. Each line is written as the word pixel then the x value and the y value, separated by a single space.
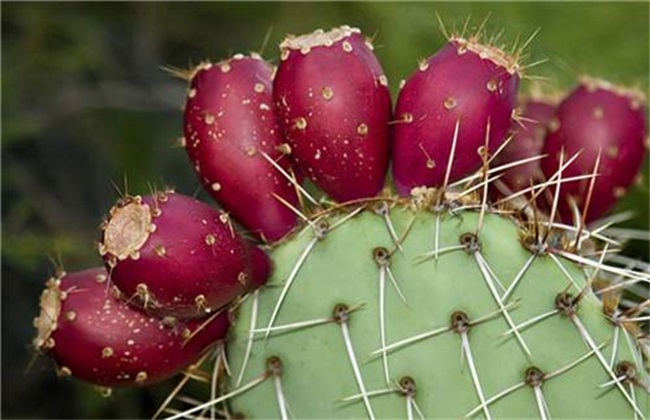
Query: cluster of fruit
pixel 459 141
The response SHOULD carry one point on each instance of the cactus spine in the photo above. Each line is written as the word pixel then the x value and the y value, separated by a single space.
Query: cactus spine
pixel 491 323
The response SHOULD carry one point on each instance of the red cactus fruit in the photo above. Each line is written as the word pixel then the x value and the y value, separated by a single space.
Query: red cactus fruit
pixel 608 125
pixel 527 142
pixel 261 268
pixel 462 92
pixel 229 121
pixel 334 107
pixel 98 338
pixel 176 256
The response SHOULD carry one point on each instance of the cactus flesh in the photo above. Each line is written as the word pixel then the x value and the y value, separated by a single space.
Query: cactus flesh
pixel 489 323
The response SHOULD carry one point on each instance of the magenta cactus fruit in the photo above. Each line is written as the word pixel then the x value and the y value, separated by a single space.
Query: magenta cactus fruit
pixel 607 126
pixel 527 143
pixel 96 337
pixel 261 268
pixel 334 107
pixel 459 96
pixel 176 256
pixel 229 124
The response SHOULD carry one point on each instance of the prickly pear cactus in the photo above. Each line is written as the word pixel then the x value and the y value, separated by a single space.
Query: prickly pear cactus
pixel 445 296
pixel 404 311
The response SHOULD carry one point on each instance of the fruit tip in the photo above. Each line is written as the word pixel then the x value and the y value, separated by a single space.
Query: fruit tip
pixel 633 94
pixel 318 38
pixel 128 228
pixel 488 52
pixel 50 308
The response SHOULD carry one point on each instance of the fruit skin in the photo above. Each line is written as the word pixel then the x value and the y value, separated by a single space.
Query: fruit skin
pixel 454 86
pixel 334 106
pixel 597 116
pixel 96 337
pixel 527 142
pixel 229 121
pixel 261 268
pixel 176 256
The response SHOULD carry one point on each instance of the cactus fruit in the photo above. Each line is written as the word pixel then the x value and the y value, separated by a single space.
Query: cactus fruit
pixel 175 255
pixel 431 302
pixel 527 143
pixel 333 103
pixel 604 127
pixel 229 125
pixel 444 121
pixel 94 335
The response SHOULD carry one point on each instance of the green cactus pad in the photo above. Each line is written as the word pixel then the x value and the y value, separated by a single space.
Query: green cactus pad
pixel 317 362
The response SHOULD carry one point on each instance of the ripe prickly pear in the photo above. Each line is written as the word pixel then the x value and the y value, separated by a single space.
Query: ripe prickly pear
pixel 333 104
pixel 460 96
pixel 95 336
pixel 176 256
pixel 606 125
pixel 229 124
pixel 527 142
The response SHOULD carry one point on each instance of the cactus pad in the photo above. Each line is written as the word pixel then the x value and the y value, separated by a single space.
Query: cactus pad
pixel 364 318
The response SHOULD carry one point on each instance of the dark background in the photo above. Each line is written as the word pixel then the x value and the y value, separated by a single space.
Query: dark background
pixel 85 105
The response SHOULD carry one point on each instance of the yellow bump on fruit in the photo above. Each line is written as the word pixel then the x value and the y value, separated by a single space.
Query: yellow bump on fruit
pixel 598 113
pixel 554 125
pixel 362 129
pixel 612 151
pixel 107 352
pixel 300 123
pixel 327 93
pixel 141 377
pixel 449 103
pixel 70 315
pixel 242 278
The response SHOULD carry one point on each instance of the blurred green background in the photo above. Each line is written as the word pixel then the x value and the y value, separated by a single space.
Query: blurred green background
pixel 86 104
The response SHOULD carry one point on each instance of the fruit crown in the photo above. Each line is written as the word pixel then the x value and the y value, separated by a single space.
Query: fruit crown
pixel 317 38
pixel 489 52
pixel 631 93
